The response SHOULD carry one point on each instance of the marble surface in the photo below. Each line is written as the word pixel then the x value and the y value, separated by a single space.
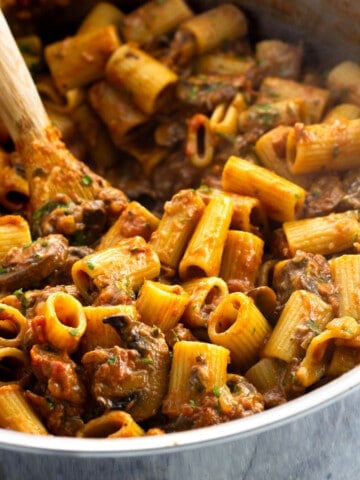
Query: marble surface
pixel 323 445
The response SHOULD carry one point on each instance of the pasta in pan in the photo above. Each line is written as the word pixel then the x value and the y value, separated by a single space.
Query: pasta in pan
pixel 211 272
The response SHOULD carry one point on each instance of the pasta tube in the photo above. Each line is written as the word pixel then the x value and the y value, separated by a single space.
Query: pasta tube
pixel 345 272
pixel 282 199
pixel 80 60
pixel 153 19
pixel 95 136
pixel 100 16
pixel 100 334
pixel 266 374
pixel 126 265
pixel 14 366
pixel 304 316
pixel 13 326
pixel 325 235
pixel 343 81
pixel 248 212
pixel 204 251
pixel 160 304
pixel 134 220
pixel 117 110
pixel 208 32
pixel 270 149
pixel 149 82
pixel 342 360
pixel 241 260
pixel 348 111
pixel 224 63
pixel 205 294
pixel 148 156
pixel 224 118
pixel 14 189
pixel 65 321
pixel 180 217
pixel 314 99
pixel 315 362
pixel 200 144
pixel 238 325
pixel 14 232
pixel 113 424
pixel 16 413
pixel 324 146
pixel 197 368
pixel 64 103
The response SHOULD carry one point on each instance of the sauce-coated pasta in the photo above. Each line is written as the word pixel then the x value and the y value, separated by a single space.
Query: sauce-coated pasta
pixel 216 274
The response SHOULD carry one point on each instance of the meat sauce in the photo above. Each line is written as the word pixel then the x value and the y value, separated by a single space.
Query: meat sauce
pixel 66 390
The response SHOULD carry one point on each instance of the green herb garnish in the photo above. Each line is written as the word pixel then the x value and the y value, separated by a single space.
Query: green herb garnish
pixel 111 360
pixel 90 265
pixel 74 332
pixel 86 180
pixel 216 391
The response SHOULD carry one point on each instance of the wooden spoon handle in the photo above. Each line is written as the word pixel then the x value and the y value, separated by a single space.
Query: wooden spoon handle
pixel 21 108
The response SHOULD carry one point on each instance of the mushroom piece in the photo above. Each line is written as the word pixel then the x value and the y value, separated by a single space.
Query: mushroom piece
pixel 132 378
pixel 29 265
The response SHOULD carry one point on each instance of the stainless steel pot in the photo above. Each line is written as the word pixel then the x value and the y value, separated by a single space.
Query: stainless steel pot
pixel 315 437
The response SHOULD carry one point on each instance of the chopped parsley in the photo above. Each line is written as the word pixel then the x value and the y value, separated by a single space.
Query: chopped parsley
pixel 314 327
pixel 74 332
pixel 20 295
pixel 316 193
pixel 216 391
pixel 147 360
pixel 335 151
pixel 48 208
pixel 90 265
pixel 86 180
pixel 111 360
pixel 50 403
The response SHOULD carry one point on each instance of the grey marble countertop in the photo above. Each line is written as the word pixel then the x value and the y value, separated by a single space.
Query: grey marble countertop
pixel 322 445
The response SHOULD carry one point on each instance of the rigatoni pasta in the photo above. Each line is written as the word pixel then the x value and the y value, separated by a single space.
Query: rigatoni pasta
pixel 345 272
pixel 149 83
pixel 161 305
pixel 282 199
pixel 224 280
pixel 16 413
pixel 325 235
pixel 304 316
pixel 81 59
pixel 127 265
pixel 154 19
pixel 241 260
pixel 14 232
pixel 176 226
pixel 204 295
pixel 204 32
pixel 324 146
pixel 343 81
pixel 204 251
pixel 238 325
pixel 186 386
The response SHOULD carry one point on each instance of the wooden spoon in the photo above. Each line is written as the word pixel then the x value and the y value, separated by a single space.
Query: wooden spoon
pixel 50 167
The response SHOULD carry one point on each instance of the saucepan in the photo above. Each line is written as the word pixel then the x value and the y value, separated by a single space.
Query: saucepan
pixel 314 436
